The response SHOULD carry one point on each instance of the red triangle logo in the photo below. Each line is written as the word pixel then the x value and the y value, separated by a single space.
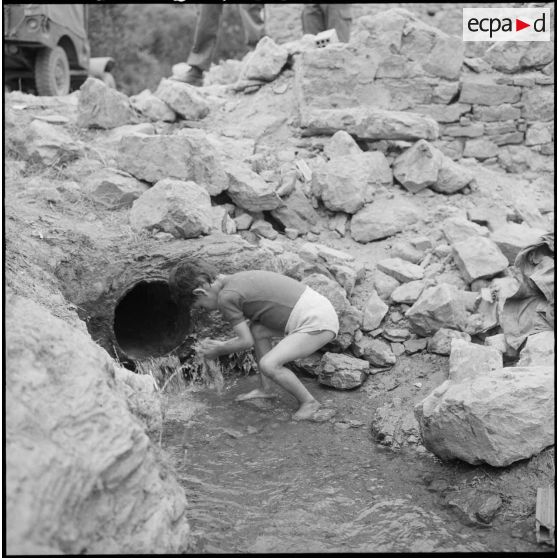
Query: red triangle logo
pixel 519 25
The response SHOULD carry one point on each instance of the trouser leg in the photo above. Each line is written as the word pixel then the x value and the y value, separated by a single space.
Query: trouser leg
pixel 338 17
pixel 205 37
pixel 313 21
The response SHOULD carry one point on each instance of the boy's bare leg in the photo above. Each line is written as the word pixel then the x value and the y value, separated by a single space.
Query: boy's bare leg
pixel 292 347
pixel 262 345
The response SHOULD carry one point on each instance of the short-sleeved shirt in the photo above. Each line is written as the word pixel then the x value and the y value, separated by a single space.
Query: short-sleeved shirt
pixel 260 296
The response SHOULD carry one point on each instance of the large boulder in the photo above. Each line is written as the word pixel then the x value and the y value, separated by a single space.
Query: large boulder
pixel 469 359
pixel 511 238
pixel 346 183
pixel 538 350
pixel 183 98
pixel 75 455
pixel 383 218
pixel 185 155
pixel 498 418
pixel 100 106
pixel 180 208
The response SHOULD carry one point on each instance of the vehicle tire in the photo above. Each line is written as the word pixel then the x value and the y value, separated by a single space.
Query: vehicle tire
pixel 52 72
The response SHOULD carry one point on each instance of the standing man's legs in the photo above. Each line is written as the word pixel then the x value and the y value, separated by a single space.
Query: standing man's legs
pixel 338 17
pixel 313 21
pixel 205 37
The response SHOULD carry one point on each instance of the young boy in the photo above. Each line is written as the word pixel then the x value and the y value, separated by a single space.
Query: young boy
pixel 261 305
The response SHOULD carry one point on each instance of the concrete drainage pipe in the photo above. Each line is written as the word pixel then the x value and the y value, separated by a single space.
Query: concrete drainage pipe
pixel 147 322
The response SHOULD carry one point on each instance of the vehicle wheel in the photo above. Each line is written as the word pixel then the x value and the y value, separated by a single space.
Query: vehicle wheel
pixel 52 72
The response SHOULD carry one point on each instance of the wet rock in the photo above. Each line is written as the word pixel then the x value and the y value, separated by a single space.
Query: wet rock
pixel 105 453
pixel 185 155
pixel 474 507
pixel 152 107
pixel 511 238
pixel 183 98
pixel 366 123
pixel 383 218
pixel 374 312
pixel 342 371
pixel 538 350
pixel 408 293
pixel 180 208
pixel 497 419
pixel 440 342
pixel 392 424
pixel 248 190
pixel 437 307
pixel 375 351
pixel 402 270
pixel 407 251
pixel 266 61
pixel 418 167
pixel 457 229
pixel 296 213
pixel 115 190
pixel 100 106
pixel 341 144
pixel 468 360
pixel 478 258
pixel 49 144
pixel 347 183
pixel 413 346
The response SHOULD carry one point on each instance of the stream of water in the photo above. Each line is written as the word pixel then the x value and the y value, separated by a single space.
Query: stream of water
pixel 258 482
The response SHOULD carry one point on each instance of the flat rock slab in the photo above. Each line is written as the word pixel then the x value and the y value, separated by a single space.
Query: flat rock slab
pixel 402 270
pixel 374 312
pixel 478 258
pixel 408 293
pixel 457 229
pixel 511 238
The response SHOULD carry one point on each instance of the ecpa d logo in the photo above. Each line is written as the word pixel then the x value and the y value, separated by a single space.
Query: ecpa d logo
pixel 506 24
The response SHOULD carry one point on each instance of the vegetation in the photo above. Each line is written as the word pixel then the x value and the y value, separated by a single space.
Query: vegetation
pixel 146 40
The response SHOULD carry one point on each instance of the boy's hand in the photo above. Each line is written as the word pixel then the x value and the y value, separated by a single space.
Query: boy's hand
pixel 210 348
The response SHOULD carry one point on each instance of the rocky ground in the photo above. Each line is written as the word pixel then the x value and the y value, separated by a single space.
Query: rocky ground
pixel 390 207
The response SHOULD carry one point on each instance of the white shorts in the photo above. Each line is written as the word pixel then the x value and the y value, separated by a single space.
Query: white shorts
pixel 312 313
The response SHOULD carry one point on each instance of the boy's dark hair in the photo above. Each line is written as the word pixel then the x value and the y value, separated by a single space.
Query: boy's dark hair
pixel 187 276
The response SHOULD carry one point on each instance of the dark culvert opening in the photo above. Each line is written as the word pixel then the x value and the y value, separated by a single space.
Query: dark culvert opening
pixel 148 323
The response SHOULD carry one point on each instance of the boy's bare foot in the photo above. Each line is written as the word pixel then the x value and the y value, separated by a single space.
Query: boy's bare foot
pixel 255 394
pixel 306 410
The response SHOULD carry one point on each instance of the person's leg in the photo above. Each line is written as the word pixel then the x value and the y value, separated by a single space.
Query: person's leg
pixel 262 345
pixel 292 347
pixel 338 17
pixel 253 23
pixel 313 21
pixel 205 36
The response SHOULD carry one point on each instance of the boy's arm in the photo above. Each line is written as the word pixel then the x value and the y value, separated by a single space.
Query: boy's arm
pixel 242 341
